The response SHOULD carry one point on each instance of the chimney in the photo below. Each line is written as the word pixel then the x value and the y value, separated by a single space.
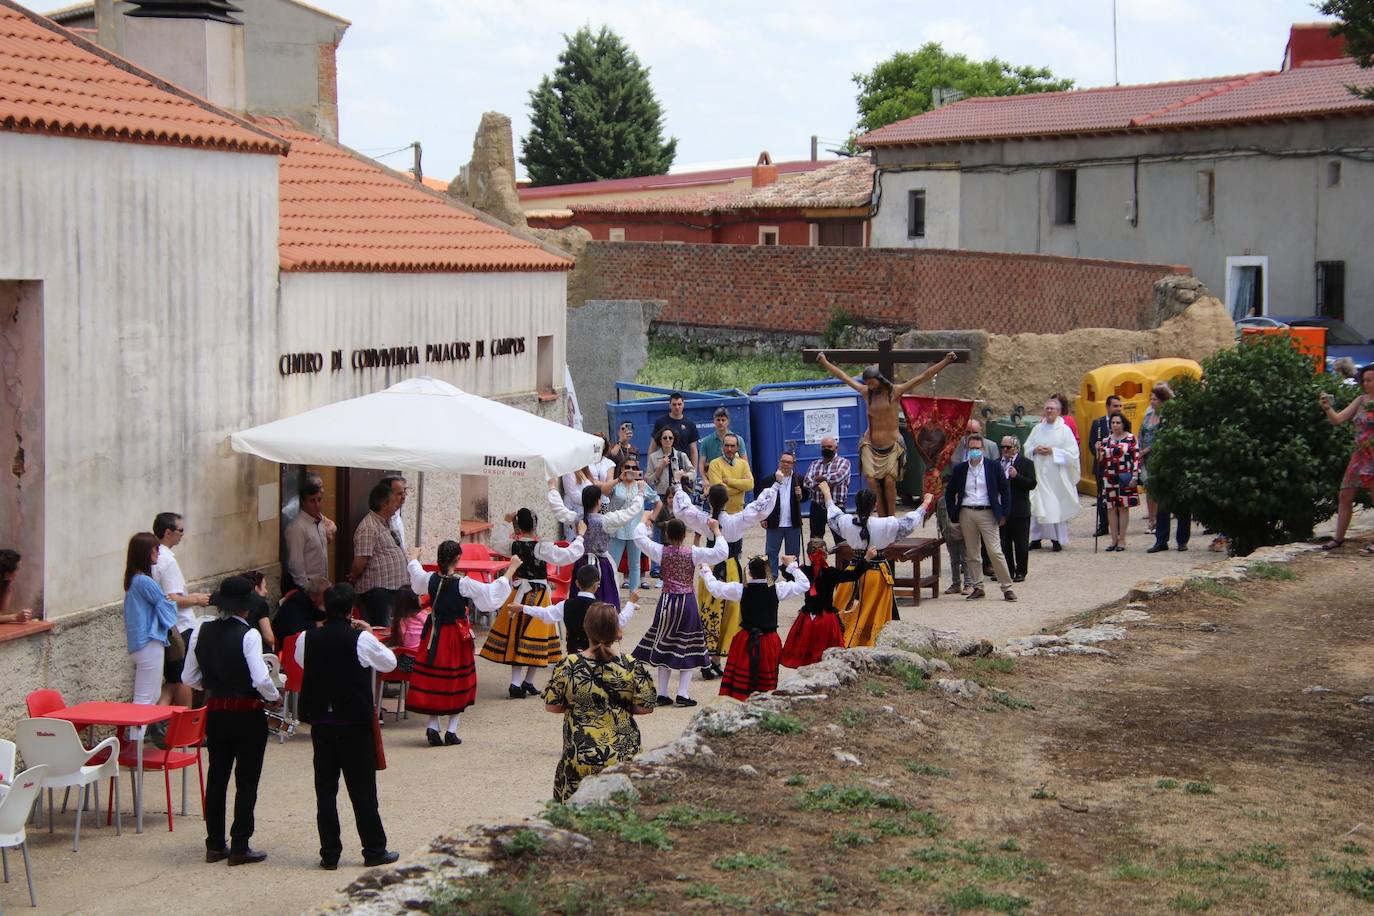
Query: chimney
pixel 196 44
pixel 1311 41
pixel 765 172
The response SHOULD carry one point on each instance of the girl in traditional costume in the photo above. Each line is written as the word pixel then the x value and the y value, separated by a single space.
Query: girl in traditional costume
pixel 869 536
pixel 719 616
pixel 754 652
pixel 571 612
pixel 516 638
pixel 596 536
pixel 817 626
pixel 444 679
pixel 675 640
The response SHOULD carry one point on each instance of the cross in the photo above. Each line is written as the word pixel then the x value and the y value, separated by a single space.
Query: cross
pixel 887 358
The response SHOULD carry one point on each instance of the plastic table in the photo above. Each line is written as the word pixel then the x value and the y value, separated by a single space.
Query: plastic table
pixel 486 570
pixel 121 715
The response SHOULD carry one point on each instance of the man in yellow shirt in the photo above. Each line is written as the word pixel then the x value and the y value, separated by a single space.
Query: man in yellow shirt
pixel 732 471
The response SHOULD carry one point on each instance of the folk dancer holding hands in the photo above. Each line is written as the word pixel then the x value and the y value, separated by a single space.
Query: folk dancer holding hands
pixel 755 650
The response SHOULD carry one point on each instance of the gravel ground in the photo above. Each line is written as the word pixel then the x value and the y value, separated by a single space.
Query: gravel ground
pixel 503 770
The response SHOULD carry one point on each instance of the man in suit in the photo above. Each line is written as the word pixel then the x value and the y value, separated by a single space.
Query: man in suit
pixel 1020 473
pixel 1101 429
pixel 784 522
pixel 977 498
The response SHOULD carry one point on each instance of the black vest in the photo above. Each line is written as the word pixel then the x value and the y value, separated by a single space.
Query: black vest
pixel 574 614
pixel 219 652
pixel 532 569
pixel 758 607
pixel 335 686
pixel 447 603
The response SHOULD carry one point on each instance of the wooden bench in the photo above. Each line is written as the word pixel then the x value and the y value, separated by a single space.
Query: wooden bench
pixel 913 551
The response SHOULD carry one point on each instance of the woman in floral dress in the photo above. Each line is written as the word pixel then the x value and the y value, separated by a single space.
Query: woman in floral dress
pixel 598 693
pixel 1359 473
pixel 1120 458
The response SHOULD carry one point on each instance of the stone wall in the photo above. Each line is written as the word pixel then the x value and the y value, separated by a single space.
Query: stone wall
pixel 795 289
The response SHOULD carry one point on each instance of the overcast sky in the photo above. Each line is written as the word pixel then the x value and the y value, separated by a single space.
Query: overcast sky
pixel 735 78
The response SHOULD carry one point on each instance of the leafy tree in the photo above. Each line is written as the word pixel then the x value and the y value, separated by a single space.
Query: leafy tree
pixel 1356 26
pixel 1249 449
pixel 596 117
pixel 901 86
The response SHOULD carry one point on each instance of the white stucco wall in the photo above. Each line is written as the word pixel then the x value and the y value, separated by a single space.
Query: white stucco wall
pixel 889 227
pixel 158 273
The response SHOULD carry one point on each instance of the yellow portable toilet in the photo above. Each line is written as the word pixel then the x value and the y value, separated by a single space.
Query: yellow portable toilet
pixel 1126 381
pixel 1132 383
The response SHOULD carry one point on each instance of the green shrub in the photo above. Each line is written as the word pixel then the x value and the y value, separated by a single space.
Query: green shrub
pixel 780 723
pixel 1250 451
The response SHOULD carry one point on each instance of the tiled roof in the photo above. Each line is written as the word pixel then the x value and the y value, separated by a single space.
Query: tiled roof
pixel 54 82
pixel 1314 90
pixel 842 184
pixel 343 212
pixel 660 182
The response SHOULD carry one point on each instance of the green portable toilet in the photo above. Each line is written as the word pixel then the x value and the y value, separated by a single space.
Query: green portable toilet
pixel 1014 425
pixel 909 487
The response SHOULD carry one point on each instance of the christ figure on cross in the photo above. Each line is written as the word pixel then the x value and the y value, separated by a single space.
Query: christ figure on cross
pixel 882 454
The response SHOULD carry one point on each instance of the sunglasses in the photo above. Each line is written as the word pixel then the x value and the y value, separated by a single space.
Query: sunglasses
pixel 669 438
pixel 179 530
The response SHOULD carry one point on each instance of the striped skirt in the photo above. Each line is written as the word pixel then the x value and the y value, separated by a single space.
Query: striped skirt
pixel 519 639
pixel 675 639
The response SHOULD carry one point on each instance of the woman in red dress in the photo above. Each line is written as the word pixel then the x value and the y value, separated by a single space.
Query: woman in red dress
pixel 1359 473
pixel 817 626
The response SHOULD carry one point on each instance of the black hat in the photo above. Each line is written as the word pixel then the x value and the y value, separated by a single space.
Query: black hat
pixel 234 595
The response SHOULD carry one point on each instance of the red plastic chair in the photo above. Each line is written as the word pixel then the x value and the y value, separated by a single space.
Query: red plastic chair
pixel 185 730
pixel 42 702
pixel 397 676
pixel 293 673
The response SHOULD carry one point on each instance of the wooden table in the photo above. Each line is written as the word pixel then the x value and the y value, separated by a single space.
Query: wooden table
pixel 121 715
pixel 913 551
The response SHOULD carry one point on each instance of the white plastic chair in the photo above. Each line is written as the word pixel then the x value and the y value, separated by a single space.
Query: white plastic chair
pixel 14 815
pixel 281 722
pixel 54 742
pixel 7 753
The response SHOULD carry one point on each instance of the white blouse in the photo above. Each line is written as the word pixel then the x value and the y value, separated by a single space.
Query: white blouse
pixel 488 596
pixel 554 612
pixel 547 551
pixel 732 524
pixel 734 591
pixel 610 521
pixel 708 555
pixel 883 531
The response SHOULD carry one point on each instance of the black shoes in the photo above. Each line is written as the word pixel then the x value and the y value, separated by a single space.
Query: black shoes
pixel 1156 548
pixel 329 865
pixel 708 674
pixel 975 594
pixel 1034 545
pixel 1182 548
pixel 516 693
pixel 451 738
pixel 432 736
pixel 530 689
pixel 1018 578
pixel 216 855
pixel 247 857
pixel 684 702
pixel 385 858
pixel 1101 533
pixel 1056 546
pixel 664 701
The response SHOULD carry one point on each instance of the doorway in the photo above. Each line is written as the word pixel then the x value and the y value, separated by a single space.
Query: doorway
pixel 1247 286
pixel 21 435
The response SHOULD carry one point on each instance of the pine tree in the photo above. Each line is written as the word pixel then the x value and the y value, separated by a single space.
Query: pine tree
pixel 1356 26
pixel 596 117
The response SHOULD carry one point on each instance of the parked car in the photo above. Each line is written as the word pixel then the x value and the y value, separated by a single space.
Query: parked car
pixel 1341 338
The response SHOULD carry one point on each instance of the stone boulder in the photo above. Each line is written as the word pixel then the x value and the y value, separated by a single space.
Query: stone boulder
pixel 487 182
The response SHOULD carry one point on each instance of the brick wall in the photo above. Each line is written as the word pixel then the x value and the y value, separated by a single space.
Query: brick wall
pixel 794 289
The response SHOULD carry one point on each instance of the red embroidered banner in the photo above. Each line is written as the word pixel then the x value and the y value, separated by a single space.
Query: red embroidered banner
pixel 937 425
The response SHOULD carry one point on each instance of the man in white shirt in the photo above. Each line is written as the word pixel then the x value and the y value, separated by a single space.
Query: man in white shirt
pixel 784 522
pixel 978 498
pixel 308 537
pixel 225 659
pixel 169 528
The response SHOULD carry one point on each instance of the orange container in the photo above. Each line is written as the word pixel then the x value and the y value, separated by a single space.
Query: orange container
pixel 1311 341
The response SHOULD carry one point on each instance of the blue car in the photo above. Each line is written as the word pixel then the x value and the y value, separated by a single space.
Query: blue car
pixel 1341 338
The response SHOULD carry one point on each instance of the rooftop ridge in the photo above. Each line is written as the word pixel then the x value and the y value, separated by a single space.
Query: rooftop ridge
pixel 1191 100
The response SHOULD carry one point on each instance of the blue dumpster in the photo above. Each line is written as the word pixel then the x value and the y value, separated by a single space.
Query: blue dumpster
pixel 699 407
pixel 795 416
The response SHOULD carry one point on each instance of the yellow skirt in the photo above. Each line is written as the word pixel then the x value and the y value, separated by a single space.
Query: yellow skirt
pixel 720 618
pixel 519 639
pixel 865 621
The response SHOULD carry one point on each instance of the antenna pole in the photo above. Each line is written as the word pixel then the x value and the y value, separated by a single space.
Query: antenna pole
pixel 1116 72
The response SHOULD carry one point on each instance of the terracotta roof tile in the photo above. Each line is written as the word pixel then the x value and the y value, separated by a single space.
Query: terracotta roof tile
pixel 55 82
pixel 846 183
pixel 343 212
pixel 661 182
pixel 1312 90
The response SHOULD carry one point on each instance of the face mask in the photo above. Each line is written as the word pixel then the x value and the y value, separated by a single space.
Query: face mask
pixel 974 454
pixel 827 453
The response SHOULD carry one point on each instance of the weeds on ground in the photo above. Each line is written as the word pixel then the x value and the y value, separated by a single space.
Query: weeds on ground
pixel 925 769
pixel 999 665
pixel 714 895
pixel 972 897
pixel 1352 849
pixel 525 843
pixel 1003 698
pixel 1357 882
pixel 1269 855
pixel 1199 788
pixel 848 839
pixel 875 688
pixel 1166 783
pixel 689 816
pixel 780 723
pixel 1266 570
pixel 488 894
pixel 748 861
pixel 580 900
pixel 1211 587
pixel 909 874
pixel 676 364
pixel 1192 903
pixel 1132 871
pixel 913 677
pixel 796 779
pixel 853 718
pixel 830 797
pixel 1010 844
pixel 1042 793
pixel 624 822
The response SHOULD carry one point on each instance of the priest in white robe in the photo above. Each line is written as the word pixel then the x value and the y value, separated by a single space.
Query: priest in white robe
pixel 1054 501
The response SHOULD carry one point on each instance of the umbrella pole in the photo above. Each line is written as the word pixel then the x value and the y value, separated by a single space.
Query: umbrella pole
pixel 419 509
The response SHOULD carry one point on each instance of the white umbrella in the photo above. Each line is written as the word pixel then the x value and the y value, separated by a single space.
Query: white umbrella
pixel 423 424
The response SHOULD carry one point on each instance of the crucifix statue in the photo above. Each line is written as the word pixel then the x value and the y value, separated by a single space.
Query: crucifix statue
pixel 882 454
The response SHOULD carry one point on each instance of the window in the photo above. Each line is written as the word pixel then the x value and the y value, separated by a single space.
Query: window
pixel 1331 289
pixel 916 214
pixel 544 364
pixel 1065 197
pixel 1206 194
pixel 1333 173
pixel 768 235
pixel 617 235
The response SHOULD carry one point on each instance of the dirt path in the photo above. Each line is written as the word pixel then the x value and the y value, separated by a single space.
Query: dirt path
pixel 1194 770
pixel 503 770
